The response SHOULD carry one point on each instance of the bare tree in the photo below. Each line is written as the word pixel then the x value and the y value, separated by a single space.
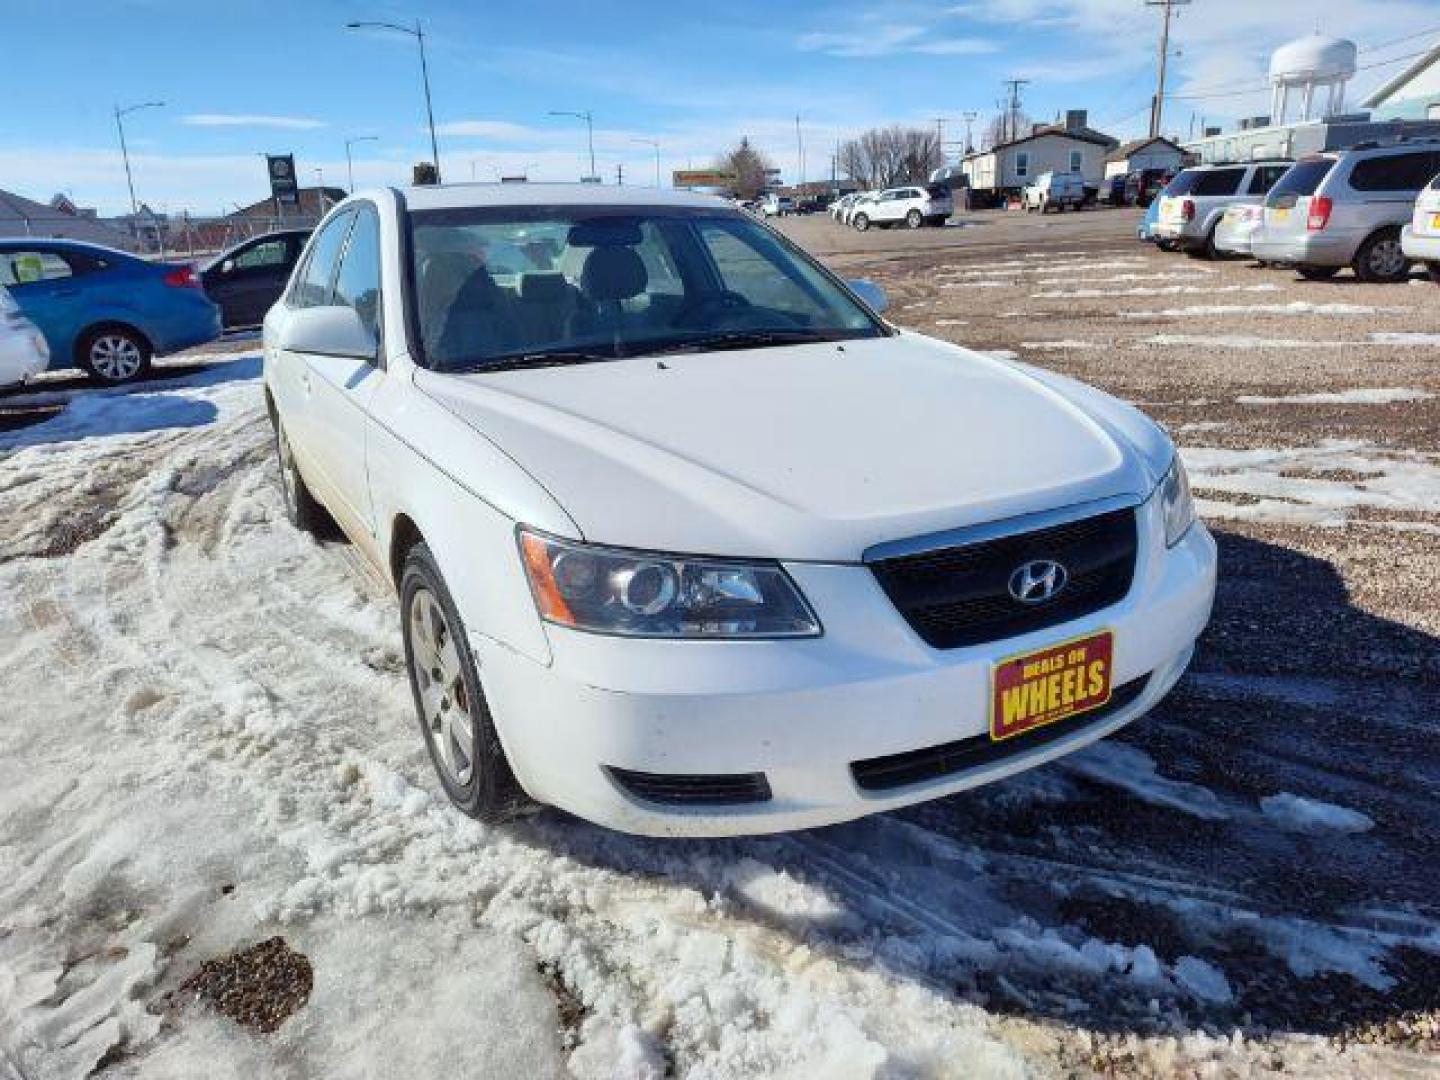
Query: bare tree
pixel 1005 126
pixel 884 157
pixel 749 167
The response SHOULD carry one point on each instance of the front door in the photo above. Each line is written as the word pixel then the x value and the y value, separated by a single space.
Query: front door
pixel 43 283
pixel 246 283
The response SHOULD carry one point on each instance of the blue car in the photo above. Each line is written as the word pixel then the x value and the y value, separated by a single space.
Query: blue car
pixel 103 310
pixel 1146 230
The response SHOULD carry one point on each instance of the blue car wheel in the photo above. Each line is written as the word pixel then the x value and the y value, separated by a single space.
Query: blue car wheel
pixel 114 354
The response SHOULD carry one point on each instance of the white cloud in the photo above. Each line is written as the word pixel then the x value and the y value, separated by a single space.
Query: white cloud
pixel 292 123
pixel 871 40
pixel 502 130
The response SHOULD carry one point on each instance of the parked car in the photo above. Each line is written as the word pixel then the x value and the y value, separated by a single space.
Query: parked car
pixel 103 310
pixel 1334 210
pixel 891 605
pixel 1143 186
pixel 1194 202
pixel 245 280
pixel 1054 190
pixel 773 205
pixel 1420 240
pixel 1113 190
pixel 842 204
pixel 913 205
pixel 1146 229
pixel 23 352
pixel 862 198
pixel 1236 231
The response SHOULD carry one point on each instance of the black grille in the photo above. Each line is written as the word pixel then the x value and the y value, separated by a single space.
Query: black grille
pixel 937 762
pixel 960 595
pixel 700 789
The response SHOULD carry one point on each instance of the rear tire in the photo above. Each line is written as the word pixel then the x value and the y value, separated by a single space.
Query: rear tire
pixel 1380 259
pixel 1205 249
pixel 1317 273
pixel 449 701
pixel 114 355
pixel 302 508
pixel 861 222
pixel 914 219
pixel 1433 269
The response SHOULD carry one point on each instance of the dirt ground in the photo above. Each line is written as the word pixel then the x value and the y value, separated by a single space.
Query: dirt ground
pixel 208 742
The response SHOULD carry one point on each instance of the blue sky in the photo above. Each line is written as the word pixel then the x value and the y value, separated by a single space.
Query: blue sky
pixel 249 76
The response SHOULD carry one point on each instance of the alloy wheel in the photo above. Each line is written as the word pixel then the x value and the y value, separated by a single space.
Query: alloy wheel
pixel 1387 259
pixel 444 702
pixel 115 357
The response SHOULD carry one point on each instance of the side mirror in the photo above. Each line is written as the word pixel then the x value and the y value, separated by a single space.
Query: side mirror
pixel 873 295
pixel 329 331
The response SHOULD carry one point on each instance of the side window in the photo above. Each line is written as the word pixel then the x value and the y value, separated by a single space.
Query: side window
pixel 1394 172
pixel 1022 164
pixel 358 283
pixel 312 283
pixel 1265 178
pixel 267 256
pixel 27 267
pixel 1218 182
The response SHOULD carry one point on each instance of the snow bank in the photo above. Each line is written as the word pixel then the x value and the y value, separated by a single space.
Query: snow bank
pixel 1363 396
pixel 1296 813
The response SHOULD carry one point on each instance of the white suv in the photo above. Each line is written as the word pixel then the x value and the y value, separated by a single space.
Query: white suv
pixel 772 205
pixel 1054 189
pixel 913 205
pixel 1193 204
pixel 628 592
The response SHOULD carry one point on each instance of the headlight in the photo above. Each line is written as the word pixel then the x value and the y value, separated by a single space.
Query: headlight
pixel 640 594
pixel 1175 503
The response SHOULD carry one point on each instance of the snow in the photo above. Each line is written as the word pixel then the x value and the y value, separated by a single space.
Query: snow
pixel 1362 396
pixel 1152 290
pixel 1133 770
pixel 1203 980
pixel 1249 341
pixel 1064 343
pixel 1295 307
pixel 1296 813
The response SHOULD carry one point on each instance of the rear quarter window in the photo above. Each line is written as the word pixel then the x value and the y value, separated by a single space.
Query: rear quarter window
pixel 1303 178
pixel 1395 172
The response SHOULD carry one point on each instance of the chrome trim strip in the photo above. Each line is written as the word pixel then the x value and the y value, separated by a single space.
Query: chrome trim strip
pixel 994 530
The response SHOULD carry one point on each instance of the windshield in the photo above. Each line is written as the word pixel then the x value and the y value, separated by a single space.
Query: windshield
pixel 498 284
pixel 1302 178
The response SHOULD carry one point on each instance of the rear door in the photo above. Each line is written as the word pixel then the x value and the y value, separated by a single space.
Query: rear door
pixel 1386 187
pixel 1288 205
pixel 44 281
pixel 341 388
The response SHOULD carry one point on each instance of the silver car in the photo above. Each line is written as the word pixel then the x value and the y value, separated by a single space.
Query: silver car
pixel 1238 225
pixel 1346 208
pixel 1193 203
pixel 1420 240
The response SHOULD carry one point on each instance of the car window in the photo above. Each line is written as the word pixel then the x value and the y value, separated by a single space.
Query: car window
pixel 312 283
pixel 1395 172
pixel 1265 177
pixel 494 283
pixel 1302 178
pixel 357 285
pixel 269 255
pixel 25 267
pixel 1218 182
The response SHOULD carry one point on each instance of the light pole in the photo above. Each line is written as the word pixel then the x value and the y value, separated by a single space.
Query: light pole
pixel 656 145
pixel 124 151
pixel 418 33
pixel 589 119
pixel 349 161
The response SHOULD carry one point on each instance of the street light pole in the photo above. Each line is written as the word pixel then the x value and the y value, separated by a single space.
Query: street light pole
pixel 655 144
pixel 125 151
pixel 349 162
pixel 589 119
pixel 418 33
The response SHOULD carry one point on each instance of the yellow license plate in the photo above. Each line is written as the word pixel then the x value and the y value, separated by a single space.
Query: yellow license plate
pixel 1050 684
pixel 1435 222
pixel 1281 215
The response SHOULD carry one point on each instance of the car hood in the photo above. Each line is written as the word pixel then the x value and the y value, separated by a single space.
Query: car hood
pixel 805 452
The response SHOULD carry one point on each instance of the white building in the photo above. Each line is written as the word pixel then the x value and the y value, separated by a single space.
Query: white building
pixel 1068 147
pixel 1414 94
pixel 1144 154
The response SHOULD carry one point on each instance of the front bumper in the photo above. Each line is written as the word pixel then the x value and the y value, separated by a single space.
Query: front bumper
pixel 1420 248
pixel 802 711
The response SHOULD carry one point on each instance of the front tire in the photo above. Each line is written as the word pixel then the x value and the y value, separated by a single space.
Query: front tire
pixel 449 702
pixel 1433 269
pixel 861 222
pixel 1381 260
pixel 114 355
pixel 1317 273
pixel 914 219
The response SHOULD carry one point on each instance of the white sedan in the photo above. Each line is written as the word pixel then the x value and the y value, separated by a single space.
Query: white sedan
pixel 687 540
pixel 23 352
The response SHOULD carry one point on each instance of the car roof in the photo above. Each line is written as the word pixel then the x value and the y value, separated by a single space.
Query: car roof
pixel 71 245
pixel 454 196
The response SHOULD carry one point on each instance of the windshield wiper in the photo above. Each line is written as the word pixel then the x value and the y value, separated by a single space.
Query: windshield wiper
pixel 742 339
pixel 535 360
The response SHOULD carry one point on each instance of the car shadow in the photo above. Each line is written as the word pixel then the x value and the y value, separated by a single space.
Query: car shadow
pixel 58 411
pixel 1169 877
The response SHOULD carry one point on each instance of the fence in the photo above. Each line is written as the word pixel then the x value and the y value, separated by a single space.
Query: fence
pixel 172 237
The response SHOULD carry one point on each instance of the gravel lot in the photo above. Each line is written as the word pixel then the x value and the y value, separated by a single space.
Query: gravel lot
pixel 209 745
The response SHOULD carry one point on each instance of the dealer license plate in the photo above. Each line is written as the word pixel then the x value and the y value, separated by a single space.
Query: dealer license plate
pixel 1435 222
pixel 1281 215
pixel 1051 684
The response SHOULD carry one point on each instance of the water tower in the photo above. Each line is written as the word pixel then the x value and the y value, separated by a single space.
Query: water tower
pixel 1305 66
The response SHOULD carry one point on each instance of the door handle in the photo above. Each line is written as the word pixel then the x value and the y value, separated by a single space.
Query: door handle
pixel 305 380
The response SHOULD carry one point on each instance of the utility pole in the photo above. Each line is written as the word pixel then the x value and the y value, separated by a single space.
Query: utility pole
pixel 1157 103
pixel 589 119
pixel 120 113
pixel 418 33
pixel 619 174
pixel 654 144
pixel 1012 107
pixel 350 161
pixel 969 118
pixel 799 155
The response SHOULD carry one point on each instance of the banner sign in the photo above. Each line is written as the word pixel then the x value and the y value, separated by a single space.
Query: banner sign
pixel 683 178
pixel 282 178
